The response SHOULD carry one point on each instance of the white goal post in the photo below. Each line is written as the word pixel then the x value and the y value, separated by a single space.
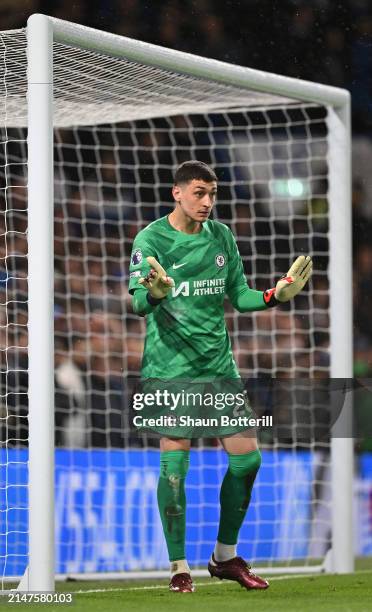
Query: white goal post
pixel 236 87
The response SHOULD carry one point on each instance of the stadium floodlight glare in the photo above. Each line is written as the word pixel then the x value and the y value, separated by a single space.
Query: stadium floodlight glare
pixel 290 188
pixel 108 119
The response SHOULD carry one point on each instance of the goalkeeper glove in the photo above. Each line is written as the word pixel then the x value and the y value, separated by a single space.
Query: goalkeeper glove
pixel 292 283
pixel 156 282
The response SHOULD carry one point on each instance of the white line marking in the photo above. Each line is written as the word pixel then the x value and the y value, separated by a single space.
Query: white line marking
pixel 210 583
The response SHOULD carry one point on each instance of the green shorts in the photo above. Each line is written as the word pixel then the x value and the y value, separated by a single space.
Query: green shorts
pixel 192 409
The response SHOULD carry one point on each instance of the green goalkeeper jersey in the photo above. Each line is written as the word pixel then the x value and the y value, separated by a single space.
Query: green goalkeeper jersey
pixel 186 333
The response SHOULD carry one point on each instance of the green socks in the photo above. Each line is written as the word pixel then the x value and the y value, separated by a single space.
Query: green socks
pixel 235 494
pixel 172 501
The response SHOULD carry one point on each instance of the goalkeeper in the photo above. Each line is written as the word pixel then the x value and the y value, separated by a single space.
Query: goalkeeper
pixel 174 259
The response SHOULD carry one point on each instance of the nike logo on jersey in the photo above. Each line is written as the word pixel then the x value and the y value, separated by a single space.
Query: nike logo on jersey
pixel 175 266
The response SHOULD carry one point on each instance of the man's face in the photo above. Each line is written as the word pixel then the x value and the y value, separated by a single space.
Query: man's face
pixel 196 198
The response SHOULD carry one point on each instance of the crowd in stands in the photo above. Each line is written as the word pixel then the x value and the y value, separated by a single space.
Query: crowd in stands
pixel 99 341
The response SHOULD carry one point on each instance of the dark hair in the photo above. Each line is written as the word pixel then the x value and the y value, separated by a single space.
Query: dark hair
pixel 194 169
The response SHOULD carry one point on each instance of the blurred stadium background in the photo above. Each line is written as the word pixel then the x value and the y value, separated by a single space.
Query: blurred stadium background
pixel 318 40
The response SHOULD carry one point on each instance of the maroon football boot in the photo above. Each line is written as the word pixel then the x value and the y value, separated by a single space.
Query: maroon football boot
pixel 237 569
pixel 181 583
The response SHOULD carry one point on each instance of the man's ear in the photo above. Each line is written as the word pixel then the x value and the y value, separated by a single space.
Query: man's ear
pixel 176 193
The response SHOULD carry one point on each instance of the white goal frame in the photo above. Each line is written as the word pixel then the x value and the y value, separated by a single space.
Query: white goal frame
pixel 41 32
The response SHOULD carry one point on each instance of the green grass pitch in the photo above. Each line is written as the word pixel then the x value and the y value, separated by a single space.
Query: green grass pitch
pixel 331 593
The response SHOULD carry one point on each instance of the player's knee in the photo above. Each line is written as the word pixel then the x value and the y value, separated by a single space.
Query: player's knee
pixel 174 464
pixel 242 465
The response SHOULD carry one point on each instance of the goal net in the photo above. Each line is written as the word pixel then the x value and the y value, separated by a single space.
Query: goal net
pixel 121 127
